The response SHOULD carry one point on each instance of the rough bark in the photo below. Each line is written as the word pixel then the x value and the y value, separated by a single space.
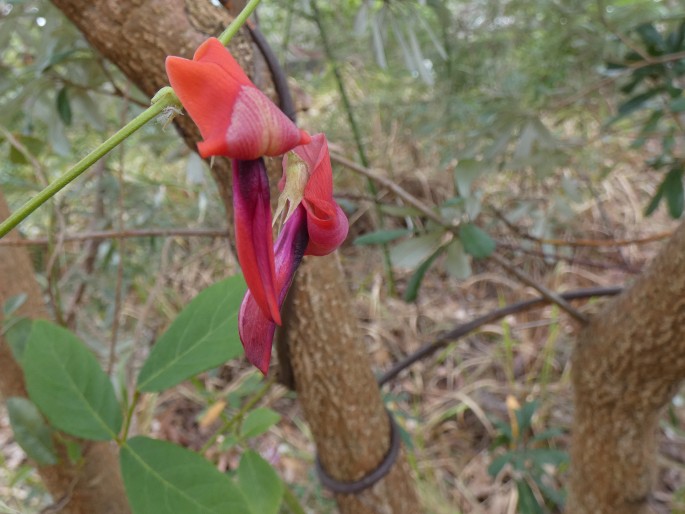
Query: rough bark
pixel 627 366
pixel 93 485
pixel 336 387
pixel 338 392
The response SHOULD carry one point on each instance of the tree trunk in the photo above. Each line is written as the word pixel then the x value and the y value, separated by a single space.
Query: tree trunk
pixel 338 392
pixel 93 486
pixel 336 387
pixel 627 365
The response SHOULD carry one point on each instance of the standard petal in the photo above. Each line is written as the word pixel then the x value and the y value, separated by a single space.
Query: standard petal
pixel 254 240
pixel 208 94
pixel 256 331
pixel 213 51
pixel 257 127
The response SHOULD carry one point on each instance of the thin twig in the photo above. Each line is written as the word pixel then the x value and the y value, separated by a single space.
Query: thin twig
pixel 547 293
pixel 467 328
pixel 398 190
pixel 570 259
pixel 123 234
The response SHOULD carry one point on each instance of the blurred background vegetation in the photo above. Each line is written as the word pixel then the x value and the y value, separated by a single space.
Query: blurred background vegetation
pixel 536 125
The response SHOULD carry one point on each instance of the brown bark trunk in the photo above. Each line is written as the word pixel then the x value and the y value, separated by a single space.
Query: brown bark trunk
pixel 627 365
pixel 335 384
pixel 338 393
pixel 94 485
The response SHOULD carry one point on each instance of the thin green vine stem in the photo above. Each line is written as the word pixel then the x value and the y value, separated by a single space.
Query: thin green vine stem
pixel 238 22
pixel 356 133
pixel 162 100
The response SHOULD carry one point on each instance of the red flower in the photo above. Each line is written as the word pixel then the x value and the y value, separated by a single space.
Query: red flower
pixel 314 225
pixel 235 118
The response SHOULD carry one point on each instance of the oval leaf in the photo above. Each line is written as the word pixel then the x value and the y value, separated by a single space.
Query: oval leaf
pixel 260 484
pixel 30 431
pixel 476 242
pixel 203 336
pixel 457 264
pixel 63 106
pixel 380 237
pixel 259 421
pixel 412 252
pixel 66 382
pixel 163 478
pixel 673 191
pixel 414 283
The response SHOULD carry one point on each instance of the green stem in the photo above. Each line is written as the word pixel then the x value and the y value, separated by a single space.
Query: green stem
pixel 129 417
pixel 163 99
pixel 356 132
pixel 238 22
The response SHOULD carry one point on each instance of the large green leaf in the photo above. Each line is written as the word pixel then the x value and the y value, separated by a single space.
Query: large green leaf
pixel 204 335
pixel 30 431
pixel 162 478
pixel 68 385
pixel 260 484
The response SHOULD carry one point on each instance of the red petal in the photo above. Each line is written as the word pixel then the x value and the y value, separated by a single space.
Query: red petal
pixel 208 94
pixel 327 225
pixel 326 221
pixel 257 127
pixel 256 331
pixel 254 240
pixel 214 52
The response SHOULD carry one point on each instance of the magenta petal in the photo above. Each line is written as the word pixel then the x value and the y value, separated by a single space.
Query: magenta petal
pixel 255 329
pixel 254 240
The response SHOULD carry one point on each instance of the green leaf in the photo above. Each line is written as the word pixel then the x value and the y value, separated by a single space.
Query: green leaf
pixel 260 484
pixel 654 202
pixel 413 251
pixel 17 335
pixel 13 303
pixel 457 264
pixel 498 464
pixel 635 103
pixel 30 431
pixel 259 421
pixel 380 237
pixel 163 478
pixel 414 283
pixel 66 382
pixel 542 456
pixel 466 172
pixel 203 336
pixel 32 144
pixel 527 503
pixel 477 242
pixel 63 106
pixel 673 190
pixel 677 105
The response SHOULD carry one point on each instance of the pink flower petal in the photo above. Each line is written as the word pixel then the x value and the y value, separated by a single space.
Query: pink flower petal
pixel 256 330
